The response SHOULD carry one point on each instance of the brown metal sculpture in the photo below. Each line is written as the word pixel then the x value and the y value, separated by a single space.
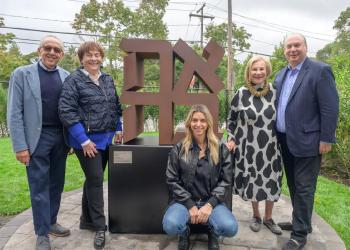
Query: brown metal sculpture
pixel 169 94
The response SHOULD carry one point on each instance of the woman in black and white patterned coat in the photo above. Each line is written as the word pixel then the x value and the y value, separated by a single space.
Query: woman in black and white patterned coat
pixel 251 128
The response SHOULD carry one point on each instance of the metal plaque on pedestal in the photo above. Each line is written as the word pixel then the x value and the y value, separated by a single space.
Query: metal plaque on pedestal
pixel 137 192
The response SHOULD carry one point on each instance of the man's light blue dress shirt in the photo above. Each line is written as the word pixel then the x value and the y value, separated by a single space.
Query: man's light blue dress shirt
pixel 287 87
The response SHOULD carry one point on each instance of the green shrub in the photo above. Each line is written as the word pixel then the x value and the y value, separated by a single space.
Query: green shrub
pixel 340 154
pixel 3 98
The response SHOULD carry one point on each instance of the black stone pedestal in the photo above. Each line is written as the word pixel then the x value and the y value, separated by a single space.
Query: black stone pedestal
pixel 137 193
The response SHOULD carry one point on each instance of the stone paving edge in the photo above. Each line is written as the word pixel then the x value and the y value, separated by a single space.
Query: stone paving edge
pixel 11 227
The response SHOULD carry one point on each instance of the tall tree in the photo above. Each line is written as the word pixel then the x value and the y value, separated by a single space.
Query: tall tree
pixel 337 54
pixel 10 59
pixel 341 44
pixel 278 60
pixel 10 56
pixel 239 42
pixel 114 21
pixel 70 61
pixel 219 34
pixel 342 24
pixel 3 102
pixel 5 39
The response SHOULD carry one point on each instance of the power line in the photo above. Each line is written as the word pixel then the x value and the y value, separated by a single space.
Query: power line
pixel 215 6
pixel 201 16
pixel 36 40
pixel 275 29
pixel 72 33
pixel 282 27
pixel 27 43
pixel 36 18
pixel 278 28
pixel 259 41
pixel 30 41
pixel 80 1
pixel 76 43
pixel 183 3
pixel 189 21
pixel 269 23
pixel 182 25
pixel 133 1
pixel 240 50
pixel 179 9
pixel 66 21
pixel 172 25
pixel 271 44
pixel 51 31
pixel 211 6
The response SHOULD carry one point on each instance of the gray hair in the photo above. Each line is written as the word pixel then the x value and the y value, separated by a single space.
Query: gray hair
pixel 42 41
pixel 294 34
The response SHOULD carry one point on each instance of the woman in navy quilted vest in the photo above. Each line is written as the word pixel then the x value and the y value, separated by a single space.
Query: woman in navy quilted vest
pixel 89 109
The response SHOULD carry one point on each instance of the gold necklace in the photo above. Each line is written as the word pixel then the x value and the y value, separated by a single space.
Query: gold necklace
pixel 254 92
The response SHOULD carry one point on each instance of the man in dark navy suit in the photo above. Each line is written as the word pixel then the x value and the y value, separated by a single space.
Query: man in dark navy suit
pixel 307 114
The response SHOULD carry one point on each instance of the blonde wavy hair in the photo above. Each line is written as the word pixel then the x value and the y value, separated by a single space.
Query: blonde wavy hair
pixel 213 142
pixel 254 59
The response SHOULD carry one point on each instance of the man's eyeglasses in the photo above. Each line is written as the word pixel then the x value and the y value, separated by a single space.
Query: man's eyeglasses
pixel 55 49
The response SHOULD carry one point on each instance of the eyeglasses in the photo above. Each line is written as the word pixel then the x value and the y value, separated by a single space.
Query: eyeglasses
pixel 49 48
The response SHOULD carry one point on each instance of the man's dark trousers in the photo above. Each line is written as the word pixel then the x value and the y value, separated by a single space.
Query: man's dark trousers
pixel 301 173
pixel 45 174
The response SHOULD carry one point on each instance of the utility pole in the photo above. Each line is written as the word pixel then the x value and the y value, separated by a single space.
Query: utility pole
pixel 230 72
pixel 201 16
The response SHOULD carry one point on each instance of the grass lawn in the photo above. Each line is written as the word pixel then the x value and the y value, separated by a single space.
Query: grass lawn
pixel 14 190
pixel 332 201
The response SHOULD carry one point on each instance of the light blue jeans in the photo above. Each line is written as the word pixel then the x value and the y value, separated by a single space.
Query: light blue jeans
pixel 221 220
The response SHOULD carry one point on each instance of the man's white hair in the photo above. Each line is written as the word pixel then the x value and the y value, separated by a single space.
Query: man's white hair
pixel 294 34
pixel 43 40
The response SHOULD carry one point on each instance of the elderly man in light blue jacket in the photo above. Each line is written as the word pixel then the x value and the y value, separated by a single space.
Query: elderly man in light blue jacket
pixel 37 135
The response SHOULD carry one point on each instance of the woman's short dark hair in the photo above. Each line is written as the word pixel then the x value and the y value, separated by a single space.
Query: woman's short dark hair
pixel 89 46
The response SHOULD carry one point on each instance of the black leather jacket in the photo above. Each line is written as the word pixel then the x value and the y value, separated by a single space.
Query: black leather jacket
pixel 180 175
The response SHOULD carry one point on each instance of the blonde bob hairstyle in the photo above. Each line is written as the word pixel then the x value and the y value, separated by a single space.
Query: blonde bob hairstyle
pixel 254 59
pixel 213 142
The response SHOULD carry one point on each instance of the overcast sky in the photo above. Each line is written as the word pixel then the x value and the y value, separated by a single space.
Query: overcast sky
pixel 268 21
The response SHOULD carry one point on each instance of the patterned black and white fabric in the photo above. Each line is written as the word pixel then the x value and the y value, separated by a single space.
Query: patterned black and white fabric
pixel 251 124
